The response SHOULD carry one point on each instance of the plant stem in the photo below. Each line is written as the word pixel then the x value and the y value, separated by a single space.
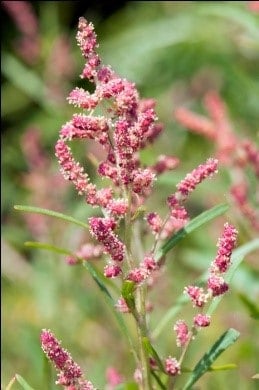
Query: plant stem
pixel 140 315
pixel 142 332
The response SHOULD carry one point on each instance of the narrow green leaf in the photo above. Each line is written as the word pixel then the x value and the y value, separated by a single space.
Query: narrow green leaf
pixel 194 224
pixel 252 308
pixel 25 79
pixel 158 380
pixel 128 294
pixel 127 386
pixel 62 251
pixel 10 384
pixel 227 339
pixel 237 258
pixel 51 213
pixel 152 352
pixel 48 247
pixel 111 303
pixel 23 382
pixel 223 367
pixel 98 281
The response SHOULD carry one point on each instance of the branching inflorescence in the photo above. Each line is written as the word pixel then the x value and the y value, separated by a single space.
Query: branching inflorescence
pixel 127 125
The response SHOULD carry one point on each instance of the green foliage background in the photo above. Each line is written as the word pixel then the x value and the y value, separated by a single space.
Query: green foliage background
pixel 175 52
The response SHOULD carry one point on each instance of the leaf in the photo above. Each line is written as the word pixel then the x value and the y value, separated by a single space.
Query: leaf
pixel 194 224
pixel 111 303
pixel 159 382
pixel 25 79
pixel 252 308
pixel 127 293
pixel 48 247
pixel 256 376
pixel 152 352
pixel 97 280
pixel 237 257
pixel 10 384
pixel 51 213
pixel 227 339
pixel 127 386
pixel 23 382
pixel 223 367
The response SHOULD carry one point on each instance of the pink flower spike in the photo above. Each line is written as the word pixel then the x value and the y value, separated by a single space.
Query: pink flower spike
pixel 138 275
pixel 154 221
pixel 201 320
pixel 226 244
pixel 102 230
pixel 143 179
pixel 86 37
pixel 182 333
pixel 197 295
pixel 172 366
pixel 70 373
pixel 149 263
pixel 217 285
pixel 70 169
pixel 112 270
pixel 191 180
pixel 83 99
pixel 117 207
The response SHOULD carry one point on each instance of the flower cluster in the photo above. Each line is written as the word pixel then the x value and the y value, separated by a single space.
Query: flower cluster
pixel 178 214
pixel 237 154
pixel 70 374
pixel 216 284
pixel 128 125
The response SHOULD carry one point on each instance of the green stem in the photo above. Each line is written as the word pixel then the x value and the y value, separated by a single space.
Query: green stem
pixel 172 380
pixel 142 332
pixel 140 313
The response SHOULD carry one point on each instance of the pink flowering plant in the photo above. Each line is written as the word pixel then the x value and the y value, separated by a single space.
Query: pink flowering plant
pixel 133 241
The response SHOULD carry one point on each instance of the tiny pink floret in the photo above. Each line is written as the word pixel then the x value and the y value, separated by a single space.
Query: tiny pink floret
pixel 172 366
pixel 201 320
pixel 182 333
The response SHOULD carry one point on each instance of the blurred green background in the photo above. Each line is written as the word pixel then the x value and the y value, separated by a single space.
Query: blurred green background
pixel 175 52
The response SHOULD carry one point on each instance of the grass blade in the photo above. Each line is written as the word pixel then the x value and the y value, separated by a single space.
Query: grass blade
pixel 225 341
pixel 23 382
pixel 111 303
pixel 48 247
pixel 50 213
pixel 152 352
pixel 194 224
pixel 251 307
